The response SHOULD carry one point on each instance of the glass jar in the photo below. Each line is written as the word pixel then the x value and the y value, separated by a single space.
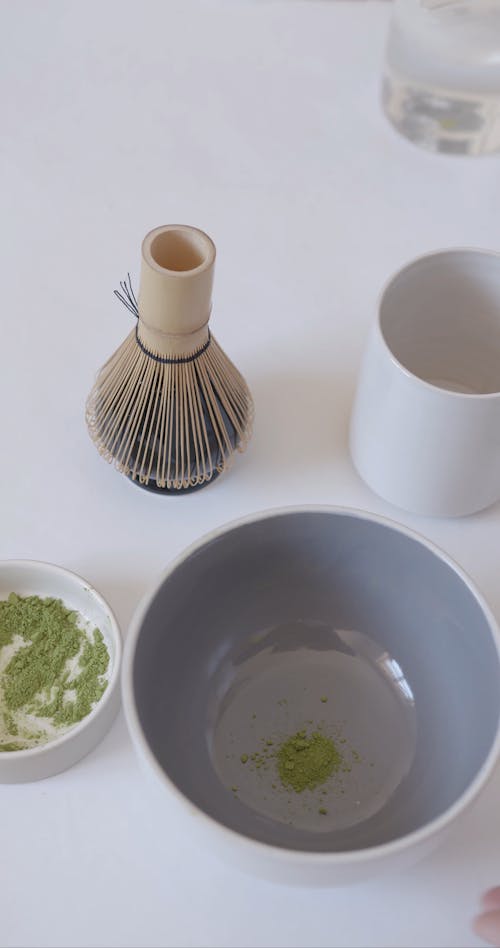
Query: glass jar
pixel 441 86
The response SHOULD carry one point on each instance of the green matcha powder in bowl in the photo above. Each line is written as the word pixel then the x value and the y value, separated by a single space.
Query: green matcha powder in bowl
pixel 60 653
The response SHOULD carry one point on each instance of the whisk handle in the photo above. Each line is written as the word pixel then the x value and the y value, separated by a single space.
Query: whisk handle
pixel 175 293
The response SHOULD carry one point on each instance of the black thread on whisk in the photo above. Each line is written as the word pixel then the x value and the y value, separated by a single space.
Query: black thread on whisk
pixel 179 360
pixel 127 296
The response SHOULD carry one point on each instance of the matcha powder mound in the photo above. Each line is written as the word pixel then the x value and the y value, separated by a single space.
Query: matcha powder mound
pixel 52 671
pixel 306 762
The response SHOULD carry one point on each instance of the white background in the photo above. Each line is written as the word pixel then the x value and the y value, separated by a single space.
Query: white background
pixel 259 122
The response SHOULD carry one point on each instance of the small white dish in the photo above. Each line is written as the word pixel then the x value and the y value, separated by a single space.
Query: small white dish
pixel 33 578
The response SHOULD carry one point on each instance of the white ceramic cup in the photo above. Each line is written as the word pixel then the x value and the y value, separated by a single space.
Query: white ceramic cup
pixel 425 425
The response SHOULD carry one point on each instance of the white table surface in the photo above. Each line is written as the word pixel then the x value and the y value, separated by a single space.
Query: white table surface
pixel 259 122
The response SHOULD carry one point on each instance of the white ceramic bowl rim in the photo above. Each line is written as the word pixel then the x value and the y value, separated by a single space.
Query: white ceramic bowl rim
pixel 291 855
pixel 419 382
pixel 115 670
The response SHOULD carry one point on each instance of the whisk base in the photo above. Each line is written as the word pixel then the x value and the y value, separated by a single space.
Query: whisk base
pixel 174 491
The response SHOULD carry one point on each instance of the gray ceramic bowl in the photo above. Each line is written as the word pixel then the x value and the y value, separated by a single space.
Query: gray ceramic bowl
pixel 246 635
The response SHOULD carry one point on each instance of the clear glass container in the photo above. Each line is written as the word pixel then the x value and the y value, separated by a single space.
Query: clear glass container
pixel 441 86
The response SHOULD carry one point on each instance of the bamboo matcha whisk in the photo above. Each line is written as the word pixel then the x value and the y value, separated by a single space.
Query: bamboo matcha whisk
pixel 169 408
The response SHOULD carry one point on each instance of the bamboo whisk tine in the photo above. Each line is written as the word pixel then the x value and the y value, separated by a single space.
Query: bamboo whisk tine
pixel 169 408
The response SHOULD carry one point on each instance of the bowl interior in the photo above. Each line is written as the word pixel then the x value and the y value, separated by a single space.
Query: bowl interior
pixel 327 623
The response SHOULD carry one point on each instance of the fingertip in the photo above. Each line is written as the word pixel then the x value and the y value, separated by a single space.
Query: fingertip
pixel 491 898
pixel 487 927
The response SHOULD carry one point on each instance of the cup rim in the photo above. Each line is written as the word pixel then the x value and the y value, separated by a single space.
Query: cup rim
pixel 296 856
pixel 72 733
pixel 411 376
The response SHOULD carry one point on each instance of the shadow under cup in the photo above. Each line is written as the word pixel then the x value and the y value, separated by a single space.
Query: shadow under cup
pixel 425 427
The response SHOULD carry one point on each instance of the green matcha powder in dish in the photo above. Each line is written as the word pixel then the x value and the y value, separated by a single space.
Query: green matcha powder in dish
pixel 53 670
